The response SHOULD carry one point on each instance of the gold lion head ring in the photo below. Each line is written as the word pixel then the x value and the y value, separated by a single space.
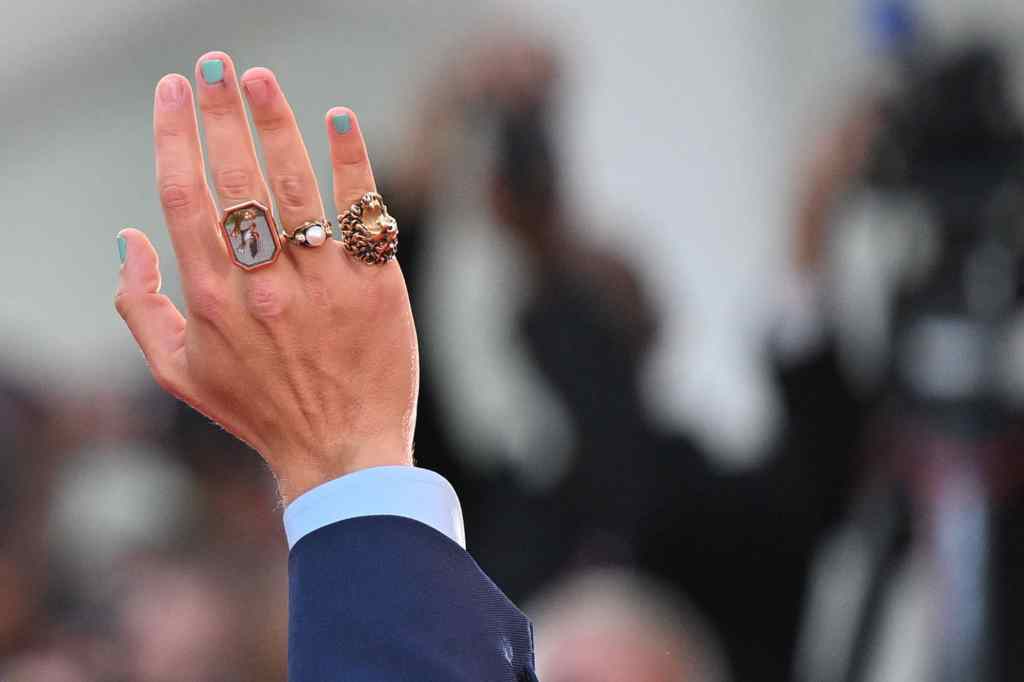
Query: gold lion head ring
pixel 368 232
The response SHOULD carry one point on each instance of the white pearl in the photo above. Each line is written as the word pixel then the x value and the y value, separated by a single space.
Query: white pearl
pixel 316 235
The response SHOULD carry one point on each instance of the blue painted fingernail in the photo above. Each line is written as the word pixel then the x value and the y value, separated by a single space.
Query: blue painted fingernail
pixel 342 123
pixel 213 71
pixel 122 248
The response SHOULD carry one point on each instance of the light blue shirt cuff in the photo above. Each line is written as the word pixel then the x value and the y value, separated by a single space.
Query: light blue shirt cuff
pixel 417 494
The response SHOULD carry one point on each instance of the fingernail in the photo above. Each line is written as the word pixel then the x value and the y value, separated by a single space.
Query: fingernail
pixel 257 89
pixel 172 92
pixel 122 248
pixel 342 123
pixel 213 71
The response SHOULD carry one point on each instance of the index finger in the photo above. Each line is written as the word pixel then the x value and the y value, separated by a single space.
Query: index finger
pixel 181 181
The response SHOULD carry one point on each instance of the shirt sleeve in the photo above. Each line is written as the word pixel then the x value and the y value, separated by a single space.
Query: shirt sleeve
pixel 417 494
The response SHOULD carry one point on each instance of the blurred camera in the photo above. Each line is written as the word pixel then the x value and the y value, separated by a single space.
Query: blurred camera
pixel 953 140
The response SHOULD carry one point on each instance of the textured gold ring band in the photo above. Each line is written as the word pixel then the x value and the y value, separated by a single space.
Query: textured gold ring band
pixel 368 232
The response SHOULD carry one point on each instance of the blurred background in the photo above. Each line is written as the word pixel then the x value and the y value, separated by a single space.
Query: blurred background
pixel 719 311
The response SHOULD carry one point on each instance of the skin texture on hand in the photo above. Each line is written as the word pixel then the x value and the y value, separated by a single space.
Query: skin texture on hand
pixel 313 360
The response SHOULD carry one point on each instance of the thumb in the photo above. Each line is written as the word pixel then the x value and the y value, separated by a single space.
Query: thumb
pixel 152 318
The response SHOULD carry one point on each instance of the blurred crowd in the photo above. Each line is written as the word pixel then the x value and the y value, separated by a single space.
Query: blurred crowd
pixel 142 543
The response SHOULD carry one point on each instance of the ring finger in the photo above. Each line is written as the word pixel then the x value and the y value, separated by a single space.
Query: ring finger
pixel 289 169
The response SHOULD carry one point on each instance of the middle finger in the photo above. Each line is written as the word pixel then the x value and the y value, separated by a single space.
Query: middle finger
pixel 235 170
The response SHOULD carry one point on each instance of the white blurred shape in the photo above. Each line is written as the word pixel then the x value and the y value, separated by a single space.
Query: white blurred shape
pixel 109 503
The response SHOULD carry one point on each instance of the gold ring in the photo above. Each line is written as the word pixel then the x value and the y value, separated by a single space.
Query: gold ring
pixel 311 233
pixel 368 232
pixel 251 235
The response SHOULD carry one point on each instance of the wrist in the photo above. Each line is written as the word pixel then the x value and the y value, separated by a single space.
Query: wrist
pixel 417 494
pixel 299 471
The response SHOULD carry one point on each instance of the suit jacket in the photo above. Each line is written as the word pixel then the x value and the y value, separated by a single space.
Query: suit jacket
pixel 390 599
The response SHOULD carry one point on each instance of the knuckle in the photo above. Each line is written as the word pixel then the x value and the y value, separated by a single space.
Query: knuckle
pixel 122 305
pixel 349 159
pixel 265 301
pixel 166 136
pixel 206 301
pixel 292 191
pixel 271 123
pixel 220 111
pixel 178 194
pixel 234 183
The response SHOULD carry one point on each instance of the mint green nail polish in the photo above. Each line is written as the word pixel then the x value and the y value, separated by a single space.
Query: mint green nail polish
pixel 213 71
pixel 122 248
pixel 342 123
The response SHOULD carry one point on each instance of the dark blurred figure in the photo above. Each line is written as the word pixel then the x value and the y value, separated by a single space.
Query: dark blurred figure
pixel 138 543
pixel 585 322
pixel 738 545
pixel 238 513
pixel 916 583
pixel 587 327
pixel 182 620
pixel 237 541
pixel 50 665
pixel 28 441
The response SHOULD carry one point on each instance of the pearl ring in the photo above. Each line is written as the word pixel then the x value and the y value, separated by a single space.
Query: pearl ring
pixel 311 233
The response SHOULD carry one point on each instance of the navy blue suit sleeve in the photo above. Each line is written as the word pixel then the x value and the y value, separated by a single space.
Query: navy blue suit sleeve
pixel 389 599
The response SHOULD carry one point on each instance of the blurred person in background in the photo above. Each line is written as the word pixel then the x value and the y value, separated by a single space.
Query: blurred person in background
pixel 239 540
pixel 175 622
pixel 41 600
pixel 29 442
pixel 51 666
pixel 907 310
pixel 199 620
pixel 100 497
pixel 560 326
pixel 574 317
pixel 610 625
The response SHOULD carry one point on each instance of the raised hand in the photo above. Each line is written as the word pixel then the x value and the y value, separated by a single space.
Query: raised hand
pixel 310 356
